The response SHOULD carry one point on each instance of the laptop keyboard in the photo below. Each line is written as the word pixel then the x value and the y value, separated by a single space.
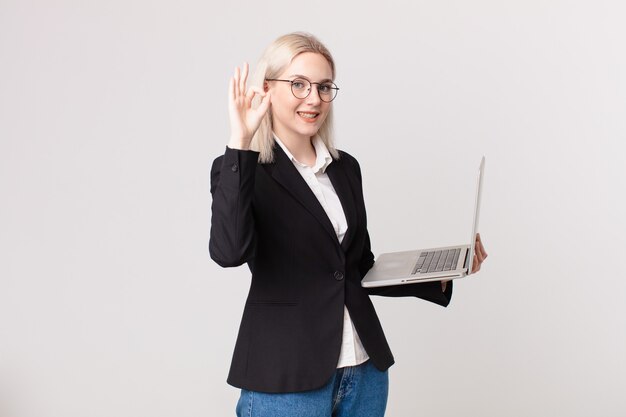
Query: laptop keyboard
pixel 437 261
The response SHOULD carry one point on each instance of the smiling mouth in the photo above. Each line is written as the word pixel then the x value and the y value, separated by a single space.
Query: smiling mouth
pixel 308 115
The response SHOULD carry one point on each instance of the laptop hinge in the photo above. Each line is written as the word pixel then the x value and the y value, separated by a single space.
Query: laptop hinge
pixel 467 252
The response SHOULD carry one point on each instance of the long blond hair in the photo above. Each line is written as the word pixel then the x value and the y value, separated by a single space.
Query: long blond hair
pixel 275 59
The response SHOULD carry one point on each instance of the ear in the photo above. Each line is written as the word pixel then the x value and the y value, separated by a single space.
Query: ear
pixel 266 86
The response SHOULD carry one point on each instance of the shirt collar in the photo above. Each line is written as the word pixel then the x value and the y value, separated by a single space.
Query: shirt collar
pixel 323 157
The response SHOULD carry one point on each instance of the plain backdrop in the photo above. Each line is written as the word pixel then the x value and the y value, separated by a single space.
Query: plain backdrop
pixel 111 113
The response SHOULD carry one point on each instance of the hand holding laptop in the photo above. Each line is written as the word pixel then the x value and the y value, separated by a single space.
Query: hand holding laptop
pixel 479 257
pixel 479 254
pixel 434 264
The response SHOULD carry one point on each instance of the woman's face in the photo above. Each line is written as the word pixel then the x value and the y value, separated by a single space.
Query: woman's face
pixel 294 118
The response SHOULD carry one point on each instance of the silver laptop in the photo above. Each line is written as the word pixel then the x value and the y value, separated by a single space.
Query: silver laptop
pixel 425 265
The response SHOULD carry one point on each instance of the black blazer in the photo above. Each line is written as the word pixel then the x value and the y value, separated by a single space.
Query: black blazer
pixel 266 215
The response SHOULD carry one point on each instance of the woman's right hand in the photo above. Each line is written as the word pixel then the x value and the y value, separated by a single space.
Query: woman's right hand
pixel 244 120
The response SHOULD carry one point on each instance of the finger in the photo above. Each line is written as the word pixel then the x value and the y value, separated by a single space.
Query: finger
pixel 244 77
pixel 476 249
pixel 479 246
pixel 252 91
pixel 483 255
pixel 250 96
pixel 475 266
pixel 265 103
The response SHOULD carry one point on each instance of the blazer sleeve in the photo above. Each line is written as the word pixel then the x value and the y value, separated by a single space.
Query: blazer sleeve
pixel 429 291
pixel 232 240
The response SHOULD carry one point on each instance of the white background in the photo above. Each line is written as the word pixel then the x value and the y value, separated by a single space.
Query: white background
pixel 112 111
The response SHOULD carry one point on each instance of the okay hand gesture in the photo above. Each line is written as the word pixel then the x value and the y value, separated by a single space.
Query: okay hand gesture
pixel 244 119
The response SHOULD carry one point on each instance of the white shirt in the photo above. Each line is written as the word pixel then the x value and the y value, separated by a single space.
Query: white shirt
pixel 352 351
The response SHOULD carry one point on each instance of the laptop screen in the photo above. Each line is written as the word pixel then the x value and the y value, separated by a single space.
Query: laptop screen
pixel 479 187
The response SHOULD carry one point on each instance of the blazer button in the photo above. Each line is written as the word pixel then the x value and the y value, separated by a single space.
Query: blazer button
pixel 235 168
pixel 338 275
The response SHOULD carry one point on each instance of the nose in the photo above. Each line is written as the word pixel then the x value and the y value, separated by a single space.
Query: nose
pixel 314 95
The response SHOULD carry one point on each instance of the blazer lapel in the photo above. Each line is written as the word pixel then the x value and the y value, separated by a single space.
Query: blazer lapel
pixel 340 182
pixel 283 171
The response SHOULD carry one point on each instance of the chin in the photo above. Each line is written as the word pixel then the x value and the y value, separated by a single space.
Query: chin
pixel 310 132
pixel 314 127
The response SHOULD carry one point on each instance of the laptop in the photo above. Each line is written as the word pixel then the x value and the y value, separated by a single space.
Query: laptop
pixel 434 264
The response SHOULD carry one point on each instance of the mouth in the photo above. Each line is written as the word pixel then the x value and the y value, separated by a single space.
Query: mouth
pixel 309 117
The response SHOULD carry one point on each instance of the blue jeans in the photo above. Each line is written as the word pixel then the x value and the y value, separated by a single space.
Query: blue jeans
pixel 354 391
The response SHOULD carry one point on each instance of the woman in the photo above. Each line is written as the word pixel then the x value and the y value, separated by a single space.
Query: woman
pixel 290 205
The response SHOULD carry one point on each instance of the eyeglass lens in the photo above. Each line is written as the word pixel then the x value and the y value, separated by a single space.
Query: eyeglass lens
pixel 302 88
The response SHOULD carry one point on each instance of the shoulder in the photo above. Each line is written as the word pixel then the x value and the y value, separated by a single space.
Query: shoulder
pixel 345 157
pixel 217 162
pixel 349 161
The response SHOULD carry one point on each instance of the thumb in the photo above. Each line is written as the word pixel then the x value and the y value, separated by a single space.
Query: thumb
pixel 265 103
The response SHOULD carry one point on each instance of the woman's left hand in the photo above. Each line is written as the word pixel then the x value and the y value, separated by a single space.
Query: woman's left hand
pixel 479 254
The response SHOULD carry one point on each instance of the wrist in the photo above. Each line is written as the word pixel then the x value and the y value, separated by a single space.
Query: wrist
pixel 239 143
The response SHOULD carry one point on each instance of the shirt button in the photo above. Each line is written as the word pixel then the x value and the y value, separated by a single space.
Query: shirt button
pixel 338 275
pixel 235 167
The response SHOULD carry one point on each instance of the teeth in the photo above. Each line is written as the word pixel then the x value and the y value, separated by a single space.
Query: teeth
pixel 308 115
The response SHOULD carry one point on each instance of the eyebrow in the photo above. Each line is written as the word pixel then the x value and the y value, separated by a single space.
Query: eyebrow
pixel 308 79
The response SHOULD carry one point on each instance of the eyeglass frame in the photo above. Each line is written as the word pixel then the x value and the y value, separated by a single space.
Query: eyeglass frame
pixel 311 83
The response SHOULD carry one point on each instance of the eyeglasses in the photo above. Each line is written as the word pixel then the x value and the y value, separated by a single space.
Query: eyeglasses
pixel 301 88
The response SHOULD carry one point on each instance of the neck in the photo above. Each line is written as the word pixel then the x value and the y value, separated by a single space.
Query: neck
pixel 301 148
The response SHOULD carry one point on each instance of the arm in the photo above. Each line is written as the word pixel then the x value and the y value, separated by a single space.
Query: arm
pixel 429 291
pixel 436 292
pixel 232 240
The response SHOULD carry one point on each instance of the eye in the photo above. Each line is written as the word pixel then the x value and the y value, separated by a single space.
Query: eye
pixel 325 88
pixel 298 84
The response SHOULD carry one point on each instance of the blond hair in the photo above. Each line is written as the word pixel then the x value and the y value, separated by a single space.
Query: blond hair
pixel 278 55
